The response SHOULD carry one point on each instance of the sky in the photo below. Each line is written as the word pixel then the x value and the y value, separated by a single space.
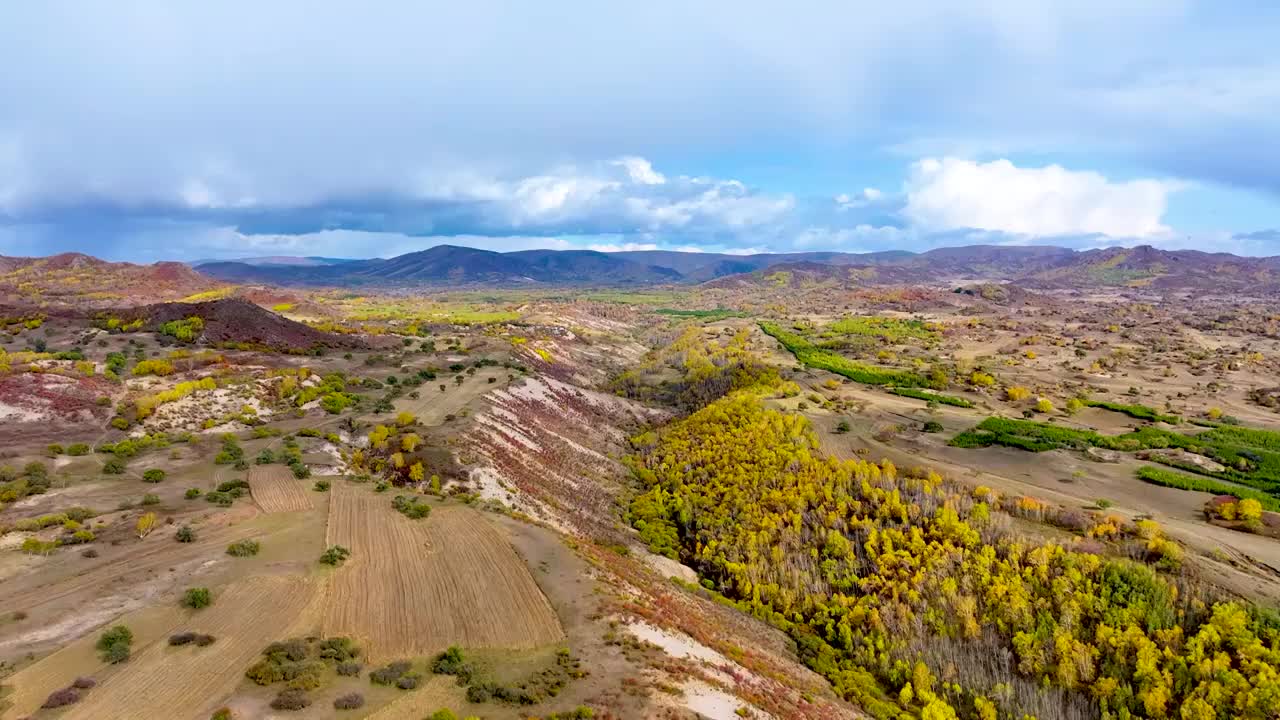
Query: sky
pixel 181 130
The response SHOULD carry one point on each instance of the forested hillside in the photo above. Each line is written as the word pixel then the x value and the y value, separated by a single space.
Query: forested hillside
pixel 914 597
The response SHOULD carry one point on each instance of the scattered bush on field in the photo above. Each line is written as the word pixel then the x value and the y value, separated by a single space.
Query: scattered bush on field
pixel 350 701
pixel 335 555
pixel 389 674
pixel 197 598
pixel 411 507
pixel 291 699
pixel 61 698
pixel 115 644
pixel 243 548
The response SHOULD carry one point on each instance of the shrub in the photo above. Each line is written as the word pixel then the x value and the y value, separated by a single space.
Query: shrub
pixel 150 499
pixel 221 714
pixel 153 475
pixel 113 466
pixel 449 662
pixel 350 701
pixel 410 507
pixel 390 674
pixel 342 649
pixel 185 534
pixel 409 682
pixel 189 638
pixel 61 698
pixel 192 493
pixel 349 669
pixel 442 714
pixel 335 556
pixel 83 683
pixel 219 498
pixel 932 426
pixel 291 699
pixel 55 450
pixel 321 486
pixel 77 449
pixel 115 644
pixel 243 548
pixel 197 598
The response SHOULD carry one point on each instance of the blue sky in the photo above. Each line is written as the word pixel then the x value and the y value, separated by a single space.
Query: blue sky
pixel 152 130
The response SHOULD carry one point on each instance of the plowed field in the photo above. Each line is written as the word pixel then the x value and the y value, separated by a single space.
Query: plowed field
pixel 275 489
pixel 414 587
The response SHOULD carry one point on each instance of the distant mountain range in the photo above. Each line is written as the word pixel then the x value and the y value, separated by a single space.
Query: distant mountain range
pixel 1032 266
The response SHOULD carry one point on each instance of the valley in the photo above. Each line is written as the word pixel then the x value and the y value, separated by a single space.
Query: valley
pixel 970 483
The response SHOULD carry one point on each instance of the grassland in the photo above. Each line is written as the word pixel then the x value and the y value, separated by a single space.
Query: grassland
pixel 894 330
pixel 1141 412
pixel 821 359
pixel 1183 481
pixel 932 397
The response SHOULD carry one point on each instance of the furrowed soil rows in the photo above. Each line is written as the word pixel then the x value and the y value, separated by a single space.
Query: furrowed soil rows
pixel 414 587
pixel 275 489
pixel 188 681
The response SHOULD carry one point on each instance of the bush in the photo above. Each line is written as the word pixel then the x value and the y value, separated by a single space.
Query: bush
pixel 113 466
pixel 342 649
pixel 61 698
pixel 78 449
pixel 291 699
pixel 221 714
pixel 189 638
pixel 350 701
pixel 449 662
pixel 243 548
pixel 219 498
pixel 410 507
pixel 150 499
pixel 300 471
pixel 335 556
pixel 83 683
pixel 409 682
pixel 197 598
pixel 321 486
pixel 932 426
pixel 153 475
pixel 349 669
pixel 115 644
pixel 192 493
pixel 185 534
pixel 390 674
pixel 55 450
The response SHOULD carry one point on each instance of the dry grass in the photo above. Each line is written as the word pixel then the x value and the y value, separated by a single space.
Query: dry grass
pixel 79 659
pixel 189 682
pixel 414 587
pixel 275 489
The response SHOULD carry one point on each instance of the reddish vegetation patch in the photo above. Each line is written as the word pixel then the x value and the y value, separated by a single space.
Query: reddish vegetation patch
pixel 556 446
pixel 54 396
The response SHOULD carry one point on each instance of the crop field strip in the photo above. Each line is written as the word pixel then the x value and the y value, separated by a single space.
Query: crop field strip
pixel 414 587
pixel 275 489
pixel 188 682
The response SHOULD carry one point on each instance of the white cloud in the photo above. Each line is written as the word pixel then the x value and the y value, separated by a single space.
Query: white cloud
pixel 640 170
pixel 624 247
pixel 951 193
